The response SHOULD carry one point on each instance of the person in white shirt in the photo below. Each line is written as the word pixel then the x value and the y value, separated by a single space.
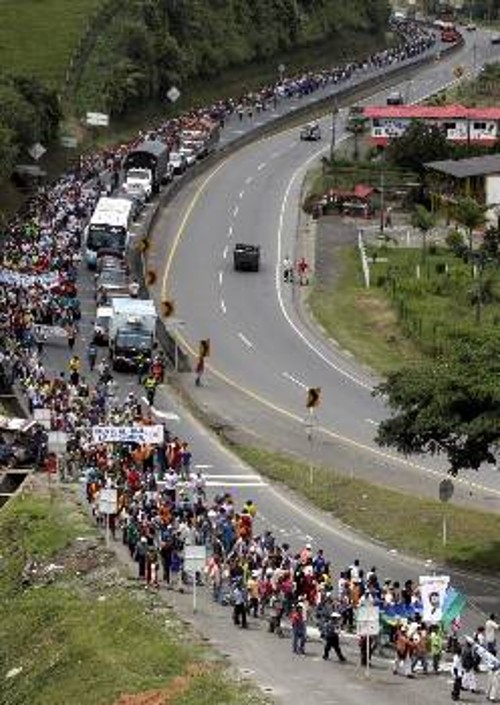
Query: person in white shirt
pixel 490 634
pixel 456 672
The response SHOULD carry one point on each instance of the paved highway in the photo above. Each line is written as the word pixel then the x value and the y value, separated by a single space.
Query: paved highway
pixel 264 355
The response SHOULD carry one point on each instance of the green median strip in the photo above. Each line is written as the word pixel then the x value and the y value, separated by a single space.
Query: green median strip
pixel 400 521
pixel 80 631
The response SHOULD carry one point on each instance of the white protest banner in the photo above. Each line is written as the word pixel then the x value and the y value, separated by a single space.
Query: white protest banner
pixel 13 278
pixel 108 500
pixel 44 332
pixel 195 558
pixel 128 434
pixel 432 592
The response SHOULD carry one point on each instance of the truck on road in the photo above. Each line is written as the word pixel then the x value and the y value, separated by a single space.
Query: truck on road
pixel 132 332
pixel 246 257
pixel 146 167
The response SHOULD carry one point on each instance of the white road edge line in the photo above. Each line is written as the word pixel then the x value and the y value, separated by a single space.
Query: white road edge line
pixel 241 194
pixel 236 211
pixel 245 340
pixel 221 274
pixel 223 306
pixel 225 251
pixel 296 381
pixel 249 179
pixel 230 231
pixel 261 166
pixel 281 227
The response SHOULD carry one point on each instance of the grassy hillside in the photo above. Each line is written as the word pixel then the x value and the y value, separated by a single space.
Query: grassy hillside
pixel 79 631
pixel 38 36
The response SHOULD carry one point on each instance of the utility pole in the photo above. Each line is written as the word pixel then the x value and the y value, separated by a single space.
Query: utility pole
pixel 334 130
pixel 382 202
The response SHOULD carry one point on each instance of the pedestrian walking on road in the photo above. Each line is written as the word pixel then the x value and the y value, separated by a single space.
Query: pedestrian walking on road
pixel 299 630
pixel 239 606
pixel 71 333
pixel 287 270
pixel 457 672
pixel 436 646
pixel 92 356
pixel 150 388
pixel 331 634
pixel 490 634
pixel 200 368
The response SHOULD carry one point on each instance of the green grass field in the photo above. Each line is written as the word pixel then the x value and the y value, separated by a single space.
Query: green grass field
pixel 362 320
pixel 415 307
pixel 38 36
pixel 91 635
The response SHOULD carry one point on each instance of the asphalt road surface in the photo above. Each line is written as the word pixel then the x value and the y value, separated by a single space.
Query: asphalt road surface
pixel 265 355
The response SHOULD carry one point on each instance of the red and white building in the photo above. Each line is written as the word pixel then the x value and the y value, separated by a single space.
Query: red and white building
pixel 465 125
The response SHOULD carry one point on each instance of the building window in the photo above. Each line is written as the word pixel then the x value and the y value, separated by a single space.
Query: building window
pixel 479 126
pixel 450 125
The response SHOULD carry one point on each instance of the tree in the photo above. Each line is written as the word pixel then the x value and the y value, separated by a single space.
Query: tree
pixel 8 151
pixel 449 407
pixel 471 215
pixel 424 220
pixel 419 144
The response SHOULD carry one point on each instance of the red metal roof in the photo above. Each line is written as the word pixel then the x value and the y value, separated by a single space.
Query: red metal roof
pixel 431 112
pixel 484 113
pixel 416 112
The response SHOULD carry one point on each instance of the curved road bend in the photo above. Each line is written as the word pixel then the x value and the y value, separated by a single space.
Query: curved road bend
pixel 264 358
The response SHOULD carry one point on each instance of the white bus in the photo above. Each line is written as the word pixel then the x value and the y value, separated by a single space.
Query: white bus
pixel 108 228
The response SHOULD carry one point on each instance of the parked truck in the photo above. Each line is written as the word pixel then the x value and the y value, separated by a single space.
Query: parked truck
pixel 131 332
pixel 146 167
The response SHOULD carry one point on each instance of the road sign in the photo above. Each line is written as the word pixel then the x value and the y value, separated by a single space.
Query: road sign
pixel 68 142
pixel 173 94
pixel 446 489
pixel 36 151
pixel 281 69
pixel 97 119
pixel 108 500
pixel 367 620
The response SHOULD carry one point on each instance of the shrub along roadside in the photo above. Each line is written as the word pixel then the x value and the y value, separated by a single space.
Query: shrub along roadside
pixel 409 524
pixel 87 634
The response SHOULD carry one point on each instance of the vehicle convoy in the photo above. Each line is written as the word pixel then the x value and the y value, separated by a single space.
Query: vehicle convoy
pixel 108 229
pixel 200 135
pixel 246 257
pixel 311 132
pixel 146 167
pixel 132 329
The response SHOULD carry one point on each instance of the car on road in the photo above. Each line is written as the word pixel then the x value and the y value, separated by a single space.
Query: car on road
pixel 471 27
pixel 101 325
pixel 311 132
pixel 137 198
pixel 189 155
pixel 395 98
pixel 246 257
pixel 111 283
pixel 177 163
pixel 495 39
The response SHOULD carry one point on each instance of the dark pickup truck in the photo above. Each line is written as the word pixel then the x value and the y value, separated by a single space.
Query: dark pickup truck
pixel 246 257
